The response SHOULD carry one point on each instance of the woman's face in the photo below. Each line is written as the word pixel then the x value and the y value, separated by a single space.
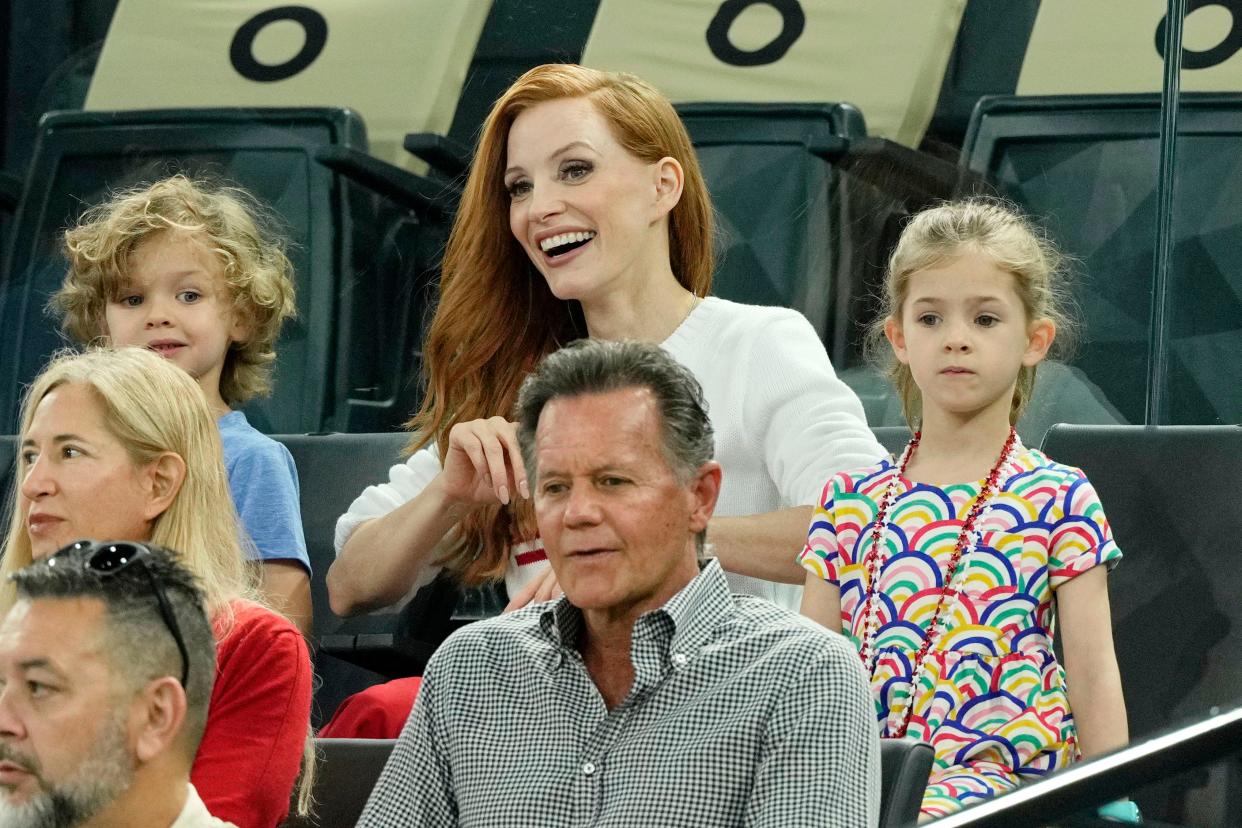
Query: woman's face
pixel 589 214
pixel 77 480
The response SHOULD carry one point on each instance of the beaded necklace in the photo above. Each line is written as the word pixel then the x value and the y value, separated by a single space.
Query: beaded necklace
pixel 877 557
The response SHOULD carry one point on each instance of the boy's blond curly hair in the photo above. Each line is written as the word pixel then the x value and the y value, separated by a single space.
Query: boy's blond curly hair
pixel 229 223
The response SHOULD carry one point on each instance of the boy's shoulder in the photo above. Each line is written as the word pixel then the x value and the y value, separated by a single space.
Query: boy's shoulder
pixel 242 440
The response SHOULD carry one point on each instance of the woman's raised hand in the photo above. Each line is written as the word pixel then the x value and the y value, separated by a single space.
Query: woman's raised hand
pixel 483 464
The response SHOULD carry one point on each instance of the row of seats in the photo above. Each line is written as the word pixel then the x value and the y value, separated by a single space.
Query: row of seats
pixel 1169 492
pixel 807 223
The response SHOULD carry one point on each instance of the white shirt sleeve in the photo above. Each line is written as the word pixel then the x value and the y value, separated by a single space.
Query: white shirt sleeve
pixel 405 481
pixel 810 423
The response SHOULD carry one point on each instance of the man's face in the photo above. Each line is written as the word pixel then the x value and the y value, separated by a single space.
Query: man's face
pixel 617 524
pixel 64 745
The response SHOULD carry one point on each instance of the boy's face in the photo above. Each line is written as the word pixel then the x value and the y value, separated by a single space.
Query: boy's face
pixel 177 304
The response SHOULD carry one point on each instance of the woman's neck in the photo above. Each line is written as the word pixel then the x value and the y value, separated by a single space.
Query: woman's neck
pixel 647 310
pixel 957 449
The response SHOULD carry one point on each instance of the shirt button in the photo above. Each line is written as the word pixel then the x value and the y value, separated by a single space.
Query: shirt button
pixel 680 659
pixel 588 768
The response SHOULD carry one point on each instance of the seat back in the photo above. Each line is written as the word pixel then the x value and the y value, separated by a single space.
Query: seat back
pixel 347 771
pixel 905 765
pixel 1170 494
pixel 354 653
pixel 8 464
pixel 779 204
pixel 360 262
pixel 893 438
pixel 1086 165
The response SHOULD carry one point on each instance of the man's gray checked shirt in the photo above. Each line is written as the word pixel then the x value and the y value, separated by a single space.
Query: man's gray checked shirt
pixel 741 713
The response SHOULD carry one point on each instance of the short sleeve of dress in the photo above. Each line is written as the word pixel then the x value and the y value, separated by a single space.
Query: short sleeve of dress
pixel 822 553
pixel 1081 538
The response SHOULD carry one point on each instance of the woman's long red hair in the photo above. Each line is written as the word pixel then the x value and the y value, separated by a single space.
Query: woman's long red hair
pixel 497 318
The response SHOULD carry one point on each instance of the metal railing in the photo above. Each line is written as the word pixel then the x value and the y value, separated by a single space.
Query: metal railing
pixel 1108 777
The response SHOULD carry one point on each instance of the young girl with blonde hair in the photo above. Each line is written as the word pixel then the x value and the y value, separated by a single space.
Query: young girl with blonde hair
pixel 121 445
pixel 950 566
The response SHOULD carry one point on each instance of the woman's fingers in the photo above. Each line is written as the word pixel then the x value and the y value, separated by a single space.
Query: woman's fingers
pixel 509 435
pixel 492 435
pixel 491 448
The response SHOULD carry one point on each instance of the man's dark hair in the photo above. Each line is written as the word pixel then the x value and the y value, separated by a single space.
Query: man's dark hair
pixel 137 641
pixel 595 366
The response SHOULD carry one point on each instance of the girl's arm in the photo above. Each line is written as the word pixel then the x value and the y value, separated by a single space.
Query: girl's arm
pixel 821 602
pixel 1092 678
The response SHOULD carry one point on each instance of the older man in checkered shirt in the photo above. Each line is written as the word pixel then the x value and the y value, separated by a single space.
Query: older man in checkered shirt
pixel 647 695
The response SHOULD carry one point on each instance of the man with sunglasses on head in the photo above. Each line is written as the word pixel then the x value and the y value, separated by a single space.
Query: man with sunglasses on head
pixel 106 666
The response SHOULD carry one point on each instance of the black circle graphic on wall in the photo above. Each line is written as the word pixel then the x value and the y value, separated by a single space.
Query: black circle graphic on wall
pixel 793 21
pixel 1219 53
pixel 241 51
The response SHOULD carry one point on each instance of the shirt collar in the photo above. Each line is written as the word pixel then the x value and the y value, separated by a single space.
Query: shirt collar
pixel 688 619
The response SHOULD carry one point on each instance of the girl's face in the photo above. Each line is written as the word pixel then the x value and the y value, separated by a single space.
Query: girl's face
pixel 964 332
pixel 77 479
pixel 590 215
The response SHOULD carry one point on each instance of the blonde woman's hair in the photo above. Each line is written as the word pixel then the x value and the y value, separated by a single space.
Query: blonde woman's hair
pixel 151 407
pixel 998 230
pixel 229 223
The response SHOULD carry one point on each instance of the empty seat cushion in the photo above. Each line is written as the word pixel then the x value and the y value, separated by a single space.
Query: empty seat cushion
pixel 379 712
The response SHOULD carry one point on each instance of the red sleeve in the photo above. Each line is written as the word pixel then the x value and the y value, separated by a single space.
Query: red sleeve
pixel 378 712
pixel 256 726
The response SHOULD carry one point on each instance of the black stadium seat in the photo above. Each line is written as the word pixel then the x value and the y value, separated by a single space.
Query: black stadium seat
pixel 779 204
pixel 347 771
pixel 353 653
pixel 8 459
pixel 1086 166
pixel 893 438
pixel 905 765
pixel 1171 496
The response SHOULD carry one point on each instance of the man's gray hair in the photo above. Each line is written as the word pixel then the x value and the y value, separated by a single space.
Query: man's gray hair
pixel 595 366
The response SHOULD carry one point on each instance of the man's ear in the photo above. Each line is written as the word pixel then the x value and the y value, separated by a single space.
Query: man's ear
pixel 1040 335
pixel 897 339
pixel 669 181
pixel 158 713
pixel 164 476
pixel 704 491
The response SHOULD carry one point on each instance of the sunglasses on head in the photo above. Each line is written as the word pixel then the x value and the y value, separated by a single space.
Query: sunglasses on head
pixel 107 558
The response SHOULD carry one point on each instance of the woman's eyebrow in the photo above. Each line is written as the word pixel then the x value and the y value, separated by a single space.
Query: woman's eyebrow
pixel 556 154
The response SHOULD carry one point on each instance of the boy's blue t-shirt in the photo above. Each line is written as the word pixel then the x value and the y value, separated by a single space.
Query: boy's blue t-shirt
pixel 264 484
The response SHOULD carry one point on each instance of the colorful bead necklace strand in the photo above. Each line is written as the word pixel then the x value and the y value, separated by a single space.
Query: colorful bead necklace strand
pixel 877 557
